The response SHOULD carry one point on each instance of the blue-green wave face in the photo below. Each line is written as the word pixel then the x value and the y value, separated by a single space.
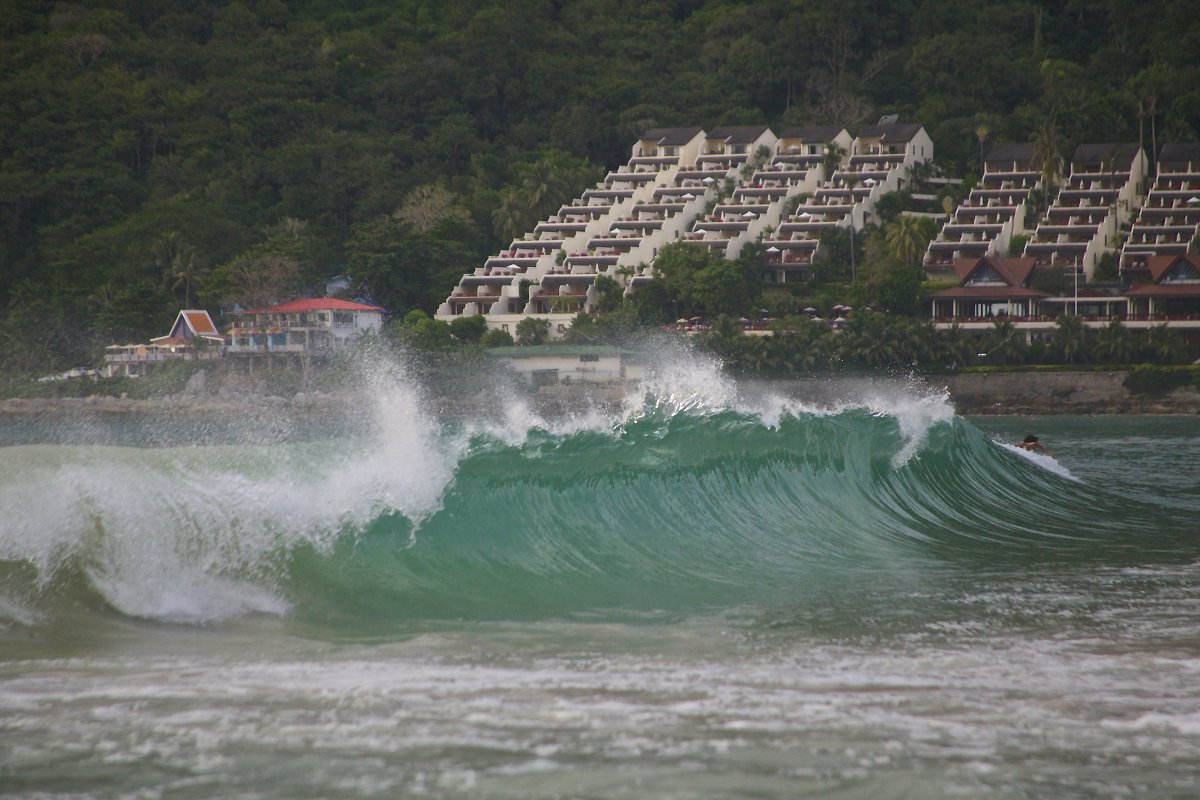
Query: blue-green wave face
pixel 692 495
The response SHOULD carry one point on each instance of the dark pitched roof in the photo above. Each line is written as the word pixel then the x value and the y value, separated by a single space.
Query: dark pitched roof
pixel 1120 154
pixel 672 136
pixel 1160 265
pixel 893 132
pixel 1015 271
pixel 1010 151
pixel 813 134
pixel 1179 152
pixel 738 134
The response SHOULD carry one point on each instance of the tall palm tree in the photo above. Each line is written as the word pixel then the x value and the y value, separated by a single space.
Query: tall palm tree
pixel 1164 345
pixel 180 265
pixel 1070 335
pixel 955 349
pixel 906 240
pixel 981 133
pixel 1005 343
pixel 834 153
pixel 1047 153
pixel 1113 343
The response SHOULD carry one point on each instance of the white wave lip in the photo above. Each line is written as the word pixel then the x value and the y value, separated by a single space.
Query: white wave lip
pixel 194 534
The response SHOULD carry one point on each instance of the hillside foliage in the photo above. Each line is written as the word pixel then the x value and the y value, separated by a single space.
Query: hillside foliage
pixel 161 153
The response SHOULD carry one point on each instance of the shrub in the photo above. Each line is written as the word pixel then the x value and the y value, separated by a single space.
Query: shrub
pixel 1157 380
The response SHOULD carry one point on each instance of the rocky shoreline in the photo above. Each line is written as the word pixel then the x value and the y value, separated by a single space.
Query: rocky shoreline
pixel 973 394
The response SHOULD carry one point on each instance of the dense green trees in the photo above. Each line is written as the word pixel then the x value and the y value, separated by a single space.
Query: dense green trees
pixel 151 152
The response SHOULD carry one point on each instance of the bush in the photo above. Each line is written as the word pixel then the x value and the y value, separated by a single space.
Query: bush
pixel 1158 380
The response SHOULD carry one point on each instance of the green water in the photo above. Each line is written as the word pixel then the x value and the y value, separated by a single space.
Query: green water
pixel 703 594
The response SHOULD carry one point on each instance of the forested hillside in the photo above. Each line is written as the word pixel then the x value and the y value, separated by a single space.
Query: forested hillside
pixel 159 153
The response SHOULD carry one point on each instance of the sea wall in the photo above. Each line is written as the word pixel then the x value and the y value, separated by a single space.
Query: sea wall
pixel 1031 392
pixel 1060 393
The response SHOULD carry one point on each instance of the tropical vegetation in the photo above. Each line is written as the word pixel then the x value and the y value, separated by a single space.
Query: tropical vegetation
pixel 166 153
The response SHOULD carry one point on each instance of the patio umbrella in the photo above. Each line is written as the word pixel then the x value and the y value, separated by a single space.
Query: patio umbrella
pixel 708 179
pixel 810 310
pixel 773 249
pixel 749 215
pixel 689 196
pixel 681 321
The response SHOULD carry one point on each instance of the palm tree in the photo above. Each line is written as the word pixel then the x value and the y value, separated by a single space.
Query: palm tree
pixel 834 153
pixel 906 241
pixel 1070 336
pixel 180 266
pixel 1163 345
pixel 1005 343
pixel 509 217
pixel 1047 149
pixel 1113 343
pixel 981 133
pixel 956 350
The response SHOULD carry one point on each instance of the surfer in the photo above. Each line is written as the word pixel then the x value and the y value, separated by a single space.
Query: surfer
pixel 1032 444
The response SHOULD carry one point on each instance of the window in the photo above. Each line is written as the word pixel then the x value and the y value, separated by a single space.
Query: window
pixel 1182 272
pixel 985 276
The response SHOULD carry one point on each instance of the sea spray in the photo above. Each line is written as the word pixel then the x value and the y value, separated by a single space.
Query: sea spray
pixel 200 533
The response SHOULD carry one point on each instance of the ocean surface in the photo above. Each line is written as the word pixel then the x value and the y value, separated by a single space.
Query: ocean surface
pixel 712 591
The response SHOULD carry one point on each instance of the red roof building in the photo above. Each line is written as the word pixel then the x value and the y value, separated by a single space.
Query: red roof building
pixel 987 287
pixel 315 326
pixel 1173 290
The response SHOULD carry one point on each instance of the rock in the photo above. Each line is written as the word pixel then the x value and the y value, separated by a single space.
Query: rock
pixel 197 385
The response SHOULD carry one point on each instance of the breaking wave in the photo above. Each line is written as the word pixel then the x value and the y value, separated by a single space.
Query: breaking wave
pixel 694 492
